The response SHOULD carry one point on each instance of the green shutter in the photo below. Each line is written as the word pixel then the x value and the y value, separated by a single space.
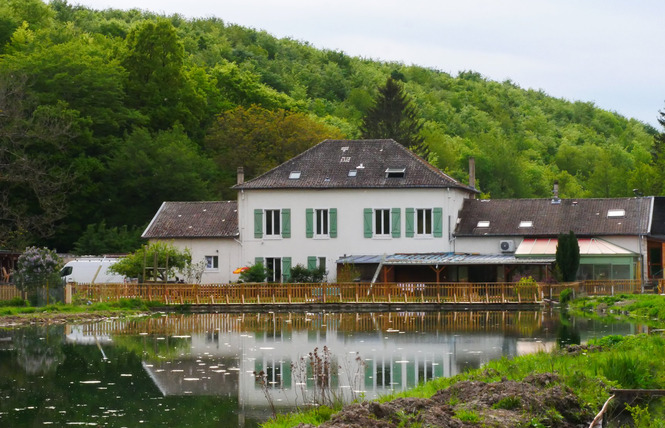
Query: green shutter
pixel 309 222
pixel 311 262
pixel 258 224
pixel 437 219
pixel 396 222
pixel 286 223
pixel 409 223
pixel 286 269
pixel 333 222
pixel 367 222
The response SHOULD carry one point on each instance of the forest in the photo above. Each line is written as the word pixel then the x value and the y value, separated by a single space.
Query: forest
pixel 106 114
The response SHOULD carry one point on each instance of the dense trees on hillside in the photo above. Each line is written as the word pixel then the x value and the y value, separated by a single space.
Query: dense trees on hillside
pixel 105 114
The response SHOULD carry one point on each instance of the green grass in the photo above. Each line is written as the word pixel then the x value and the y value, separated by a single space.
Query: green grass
pixel 646 308
pixel 19 307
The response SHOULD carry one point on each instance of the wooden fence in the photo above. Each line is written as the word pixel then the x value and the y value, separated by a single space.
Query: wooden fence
pixel 256 293
pixel 8 292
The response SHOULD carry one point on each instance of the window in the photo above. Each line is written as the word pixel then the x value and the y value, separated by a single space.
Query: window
pixel 321 223
pixel 382 222
pixel 484 223
pixel 353 172
pixel 424 221
pixel 294 175
pixel 273 223
pixel 212 262
pixel 395 172
pixel 526 223
pixel 616 213
pixel 274 268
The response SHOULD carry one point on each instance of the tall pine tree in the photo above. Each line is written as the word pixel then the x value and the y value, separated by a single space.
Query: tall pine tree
pixel 394 116
pixel 568 256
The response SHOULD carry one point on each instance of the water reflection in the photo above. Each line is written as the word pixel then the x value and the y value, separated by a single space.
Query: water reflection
pixel 198 369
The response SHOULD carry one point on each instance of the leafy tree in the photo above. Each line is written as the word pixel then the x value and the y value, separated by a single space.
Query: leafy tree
pixel 567 256
pixel 394 116
pixel 157 82
pixel 159 261
pixel 259 139
pixel 100 239
pixel 34 176
pixel 152 168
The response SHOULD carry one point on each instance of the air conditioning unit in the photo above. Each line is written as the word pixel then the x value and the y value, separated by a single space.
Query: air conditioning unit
pixel 507 246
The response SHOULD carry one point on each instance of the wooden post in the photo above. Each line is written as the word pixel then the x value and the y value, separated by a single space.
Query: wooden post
pixel 227 298
pixel 258 299
pixel 242 298
pixel 356 295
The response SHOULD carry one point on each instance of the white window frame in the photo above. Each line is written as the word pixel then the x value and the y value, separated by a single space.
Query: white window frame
pixel 321 223
pixel 422 222
pixel 212 263
pixel 276 273
pixel 384 223
pixel 272 218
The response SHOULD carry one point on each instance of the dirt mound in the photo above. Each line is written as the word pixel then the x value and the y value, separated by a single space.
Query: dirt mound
pixel 539 398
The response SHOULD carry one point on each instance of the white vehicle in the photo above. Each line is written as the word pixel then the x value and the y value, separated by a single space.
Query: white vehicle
pixel 90 270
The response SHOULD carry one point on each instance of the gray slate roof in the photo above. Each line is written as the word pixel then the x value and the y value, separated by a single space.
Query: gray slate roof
pixel 585 217
pixel 194 220
pixel 327 166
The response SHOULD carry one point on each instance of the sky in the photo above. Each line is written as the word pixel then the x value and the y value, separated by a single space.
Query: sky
pixel 603 51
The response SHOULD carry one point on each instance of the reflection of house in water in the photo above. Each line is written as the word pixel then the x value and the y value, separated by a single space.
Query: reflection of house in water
pixel 218 353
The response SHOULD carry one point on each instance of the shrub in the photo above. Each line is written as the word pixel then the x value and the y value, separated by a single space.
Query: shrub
pixel 36 268
pixel 256 273
pixel 566 295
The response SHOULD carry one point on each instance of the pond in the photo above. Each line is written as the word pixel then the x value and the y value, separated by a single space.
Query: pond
pixel 199 370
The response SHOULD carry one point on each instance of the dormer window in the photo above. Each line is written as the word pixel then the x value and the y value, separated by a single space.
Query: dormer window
pixel 395 172
pixel 353 172
pixel 526 223
pixel 616 213
pixel 295 175
pixel 484 223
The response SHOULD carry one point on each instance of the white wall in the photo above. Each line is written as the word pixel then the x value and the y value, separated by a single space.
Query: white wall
pixel 227 250
pixel 350 238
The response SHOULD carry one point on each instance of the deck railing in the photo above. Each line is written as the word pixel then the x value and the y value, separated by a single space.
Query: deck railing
pixel 398 292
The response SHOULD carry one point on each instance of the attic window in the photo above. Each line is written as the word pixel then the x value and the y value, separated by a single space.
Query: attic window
pixel 616 213
pixel 294 175
pixel 526 223
pixel 353 172
pixel 484 223
pixel 395 172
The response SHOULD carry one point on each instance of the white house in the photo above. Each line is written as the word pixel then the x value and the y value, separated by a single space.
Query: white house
pixel 342 197
pixel 208 229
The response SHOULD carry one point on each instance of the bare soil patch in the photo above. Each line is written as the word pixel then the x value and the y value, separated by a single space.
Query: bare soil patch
pixel 539 398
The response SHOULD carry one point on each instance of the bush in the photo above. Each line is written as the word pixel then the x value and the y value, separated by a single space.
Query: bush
pixel 37 267
pixel 15 302
pixel 256 273
pixel 566 295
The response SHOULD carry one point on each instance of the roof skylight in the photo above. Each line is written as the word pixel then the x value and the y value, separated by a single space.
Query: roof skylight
pixel 616 213
pixel 395 172
pixel 526 223
pixel 353 172
pixel 294 175
pixel 484 223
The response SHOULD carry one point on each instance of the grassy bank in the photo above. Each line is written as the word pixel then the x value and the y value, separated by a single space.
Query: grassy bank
pixel 20 307
pixel 630 362
pixel 648 309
